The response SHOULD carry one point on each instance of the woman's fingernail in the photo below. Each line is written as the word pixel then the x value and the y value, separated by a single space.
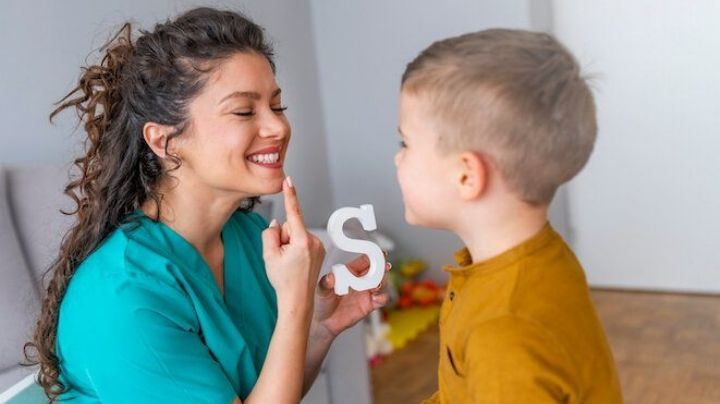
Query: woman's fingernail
pixel 273 223
pixel 289 181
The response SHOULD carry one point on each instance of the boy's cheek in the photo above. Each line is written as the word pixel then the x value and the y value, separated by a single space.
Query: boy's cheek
pixel 400 175
pixel 414 195
pixel 409 217
pixel 409 203
pixel 413 205
pixel 417 214
pixel 405 191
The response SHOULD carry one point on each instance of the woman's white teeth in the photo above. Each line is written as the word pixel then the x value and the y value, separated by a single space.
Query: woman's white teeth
pixel 265 158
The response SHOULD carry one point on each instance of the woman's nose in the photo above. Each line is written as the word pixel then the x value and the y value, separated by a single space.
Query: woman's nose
pixel 274 125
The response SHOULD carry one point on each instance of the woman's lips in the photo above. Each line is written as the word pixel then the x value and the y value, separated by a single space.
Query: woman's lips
pixel 269 157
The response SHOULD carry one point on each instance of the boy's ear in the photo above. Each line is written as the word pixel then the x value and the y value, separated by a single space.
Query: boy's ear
pixel 472 176
pixel 156 136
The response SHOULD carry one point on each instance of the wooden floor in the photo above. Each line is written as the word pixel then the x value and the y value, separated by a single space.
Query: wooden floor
pixel 666 346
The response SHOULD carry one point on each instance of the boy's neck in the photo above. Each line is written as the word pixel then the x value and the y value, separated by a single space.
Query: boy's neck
pixel 489 235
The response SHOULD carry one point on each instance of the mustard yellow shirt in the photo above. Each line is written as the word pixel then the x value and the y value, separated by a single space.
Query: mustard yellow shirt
pixel 521 328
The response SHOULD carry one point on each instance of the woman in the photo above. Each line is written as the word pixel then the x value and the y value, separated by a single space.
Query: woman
pixel 167 288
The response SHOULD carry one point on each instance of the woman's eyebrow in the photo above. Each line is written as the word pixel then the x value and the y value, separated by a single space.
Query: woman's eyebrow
pixel 248 94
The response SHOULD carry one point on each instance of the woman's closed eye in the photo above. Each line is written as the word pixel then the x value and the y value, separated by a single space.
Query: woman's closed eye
pixel 250 113
pixel 244 113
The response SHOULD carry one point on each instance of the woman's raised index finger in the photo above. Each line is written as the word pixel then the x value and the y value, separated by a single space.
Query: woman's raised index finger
pixel 292 206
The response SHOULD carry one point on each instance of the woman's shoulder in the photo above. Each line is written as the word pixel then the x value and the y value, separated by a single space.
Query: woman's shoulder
pixel 125 263
pixel 115 282
pixel 111 296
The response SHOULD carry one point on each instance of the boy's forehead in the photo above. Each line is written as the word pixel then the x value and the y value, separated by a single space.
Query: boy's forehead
pixel 412 107
pixel 411 99
pixel 416 113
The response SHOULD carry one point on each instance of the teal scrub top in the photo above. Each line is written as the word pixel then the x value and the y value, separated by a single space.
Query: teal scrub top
pixel 144 321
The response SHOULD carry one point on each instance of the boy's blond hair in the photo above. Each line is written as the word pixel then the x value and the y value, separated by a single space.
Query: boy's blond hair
pixel 514 96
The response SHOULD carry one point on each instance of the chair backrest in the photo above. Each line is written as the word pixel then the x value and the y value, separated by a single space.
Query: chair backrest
pixel 31 228
pixel 36 197
pixel 26 391
pixel 19 295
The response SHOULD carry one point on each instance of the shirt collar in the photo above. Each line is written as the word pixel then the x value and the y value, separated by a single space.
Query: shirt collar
pixel 467 267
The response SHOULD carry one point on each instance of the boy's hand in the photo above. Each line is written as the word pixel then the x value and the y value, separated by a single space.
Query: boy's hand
pixel 334 313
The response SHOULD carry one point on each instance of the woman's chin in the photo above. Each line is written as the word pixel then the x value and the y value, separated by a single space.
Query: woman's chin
pixel 272 186
pixel 261 186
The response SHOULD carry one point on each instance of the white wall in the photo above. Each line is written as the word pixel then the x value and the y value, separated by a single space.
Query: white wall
pixel 363 48
pixel 44 43
pixel 646 211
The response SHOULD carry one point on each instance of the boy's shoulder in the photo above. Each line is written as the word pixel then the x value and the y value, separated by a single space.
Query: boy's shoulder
pixel 542 272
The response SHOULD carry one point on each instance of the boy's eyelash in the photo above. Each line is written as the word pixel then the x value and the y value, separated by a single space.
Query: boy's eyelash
pixel 403 144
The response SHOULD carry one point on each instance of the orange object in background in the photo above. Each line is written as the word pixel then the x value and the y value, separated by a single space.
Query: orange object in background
pixel 412 268
pixel 423 293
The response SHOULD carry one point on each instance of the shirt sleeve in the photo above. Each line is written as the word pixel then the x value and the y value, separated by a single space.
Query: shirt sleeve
pixel 145 348
pixel 512 360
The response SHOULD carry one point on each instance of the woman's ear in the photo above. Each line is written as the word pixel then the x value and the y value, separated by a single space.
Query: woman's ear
pixel 472 176
pixel 156 136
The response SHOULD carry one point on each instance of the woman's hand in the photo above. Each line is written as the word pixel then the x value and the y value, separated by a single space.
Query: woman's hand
pixel 334 314
pixel 292 262
pixel 293 257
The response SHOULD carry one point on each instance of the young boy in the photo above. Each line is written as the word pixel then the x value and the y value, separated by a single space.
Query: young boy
pixel 492 123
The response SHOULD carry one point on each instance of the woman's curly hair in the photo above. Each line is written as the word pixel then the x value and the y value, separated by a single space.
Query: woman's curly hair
pixel 150 79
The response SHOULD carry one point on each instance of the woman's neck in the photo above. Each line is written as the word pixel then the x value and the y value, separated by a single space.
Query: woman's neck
pixel 197 214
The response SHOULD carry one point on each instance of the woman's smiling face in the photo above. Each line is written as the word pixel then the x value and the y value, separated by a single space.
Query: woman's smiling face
pixel 238 134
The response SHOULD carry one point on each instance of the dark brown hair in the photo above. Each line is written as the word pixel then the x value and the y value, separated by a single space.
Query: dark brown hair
pixel 151 79
pixel 515 96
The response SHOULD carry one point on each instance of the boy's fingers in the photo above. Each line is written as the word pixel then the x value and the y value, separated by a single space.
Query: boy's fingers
pixel 292 208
